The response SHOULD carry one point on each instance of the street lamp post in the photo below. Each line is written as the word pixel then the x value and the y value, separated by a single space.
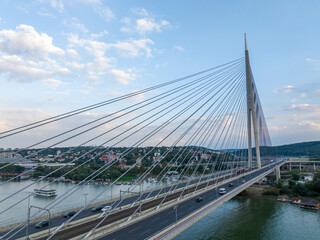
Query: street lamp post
pixel 176 209
pixel 27 229
pixel 85 199
pixel 109 174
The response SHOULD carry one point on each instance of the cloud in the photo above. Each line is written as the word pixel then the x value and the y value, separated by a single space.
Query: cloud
pixel 56 4
pixel 96 48
pixel 27 41
pixel 310 124
pixel 22 71
pixel 145 25
pixel 285 89
pixel 105 13
pixel 139 12
pixel 305 107
pixel 314 62
pixel 133 48
pixel 73 53
pixel 122 76
pixel 73 23
pixel 179 48
pixel 52 83
pixel 99 35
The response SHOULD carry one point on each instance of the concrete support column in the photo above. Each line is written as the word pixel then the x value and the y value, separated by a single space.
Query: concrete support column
pixel 290 167
pixel 314 167
pixel 300 167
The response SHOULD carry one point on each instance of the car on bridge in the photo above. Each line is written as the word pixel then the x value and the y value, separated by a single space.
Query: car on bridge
pixel 199 199
pixel 42 224
pixel 96 208
pixel 230 184
pixel 69 214
pixel 106 208
pixel 222 190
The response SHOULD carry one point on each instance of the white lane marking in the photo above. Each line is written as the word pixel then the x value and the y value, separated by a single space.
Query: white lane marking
pixel 164 221
pixel 145 232
pixel 155 219
pixel 134 229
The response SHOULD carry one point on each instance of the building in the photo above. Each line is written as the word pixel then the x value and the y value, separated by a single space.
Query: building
pixel 310 204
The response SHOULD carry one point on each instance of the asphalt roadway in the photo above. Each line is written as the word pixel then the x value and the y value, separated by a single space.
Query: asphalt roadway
pixel 159 221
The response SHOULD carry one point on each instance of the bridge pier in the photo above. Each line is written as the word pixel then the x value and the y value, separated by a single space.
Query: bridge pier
pixel 314 167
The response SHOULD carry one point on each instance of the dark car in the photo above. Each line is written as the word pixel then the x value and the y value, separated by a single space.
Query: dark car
pixel 230 184
pixel 97 208
pixel 42 224
pixel 69 214
pixel 199 199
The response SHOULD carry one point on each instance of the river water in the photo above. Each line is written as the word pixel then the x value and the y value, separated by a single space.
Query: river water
pixel 76 199
pixel 245 218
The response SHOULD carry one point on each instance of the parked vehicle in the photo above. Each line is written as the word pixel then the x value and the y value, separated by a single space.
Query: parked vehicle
pixel 69 214
pixel 106 208
pixel 222 190
pixel 199 199
pixel 42 224
pixel 96 208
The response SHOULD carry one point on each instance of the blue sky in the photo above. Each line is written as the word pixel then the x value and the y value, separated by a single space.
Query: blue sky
pixel 56 56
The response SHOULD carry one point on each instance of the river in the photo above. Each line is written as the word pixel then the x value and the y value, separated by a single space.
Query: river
pixel 244 218
pixel 78 198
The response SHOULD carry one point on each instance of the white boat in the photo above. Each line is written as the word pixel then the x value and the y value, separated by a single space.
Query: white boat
pixel 45 193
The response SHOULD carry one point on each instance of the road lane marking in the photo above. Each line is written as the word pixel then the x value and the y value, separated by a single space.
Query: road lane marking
pixel 164 221
pixel 155 219
pixel 134 229
pixel 145 232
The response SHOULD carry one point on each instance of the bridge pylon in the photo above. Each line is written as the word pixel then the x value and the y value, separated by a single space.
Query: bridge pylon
pixel 251 112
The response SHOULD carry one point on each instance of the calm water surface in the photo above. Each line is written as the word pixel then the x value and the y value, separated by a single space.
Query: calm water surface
pixel 254 219
pixel 76 199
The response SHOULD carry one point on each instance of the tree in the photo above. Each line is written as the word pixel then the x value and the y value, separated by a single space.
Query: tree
pixel 295 177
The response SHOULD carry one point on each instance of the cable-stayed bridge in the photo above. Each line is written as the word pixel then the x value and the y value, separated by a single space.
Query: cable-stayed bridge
pixel 191 136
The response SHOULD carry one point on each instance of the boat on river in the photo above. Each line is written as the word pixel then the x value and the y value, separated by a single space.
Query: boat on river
pixel 45 193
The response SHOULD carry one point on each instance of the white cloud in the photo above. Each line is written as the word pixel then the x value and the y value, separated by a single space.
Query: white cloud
pixel 99 35
pixel 26 41
pixel 96 48
pixel 100 64
pixel 20 70
pixel 179 48
pixel 122 76
pixel 314 62
pixel 133 48
pixel 305 107
pixel 73 23
pixel 105 13
pixel 73 53
pixel 145 25
pixel 285 89
pixel 56 4
pixel 139 12
pixel 52 83
pixel 310 124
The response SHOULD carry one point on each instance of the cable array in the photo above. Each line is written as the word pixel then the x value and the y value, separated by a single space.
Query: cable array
pixel 201 118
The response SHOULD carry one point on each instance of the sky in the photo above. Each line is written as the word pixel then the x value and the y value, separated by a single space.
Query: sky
pixel 56 56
